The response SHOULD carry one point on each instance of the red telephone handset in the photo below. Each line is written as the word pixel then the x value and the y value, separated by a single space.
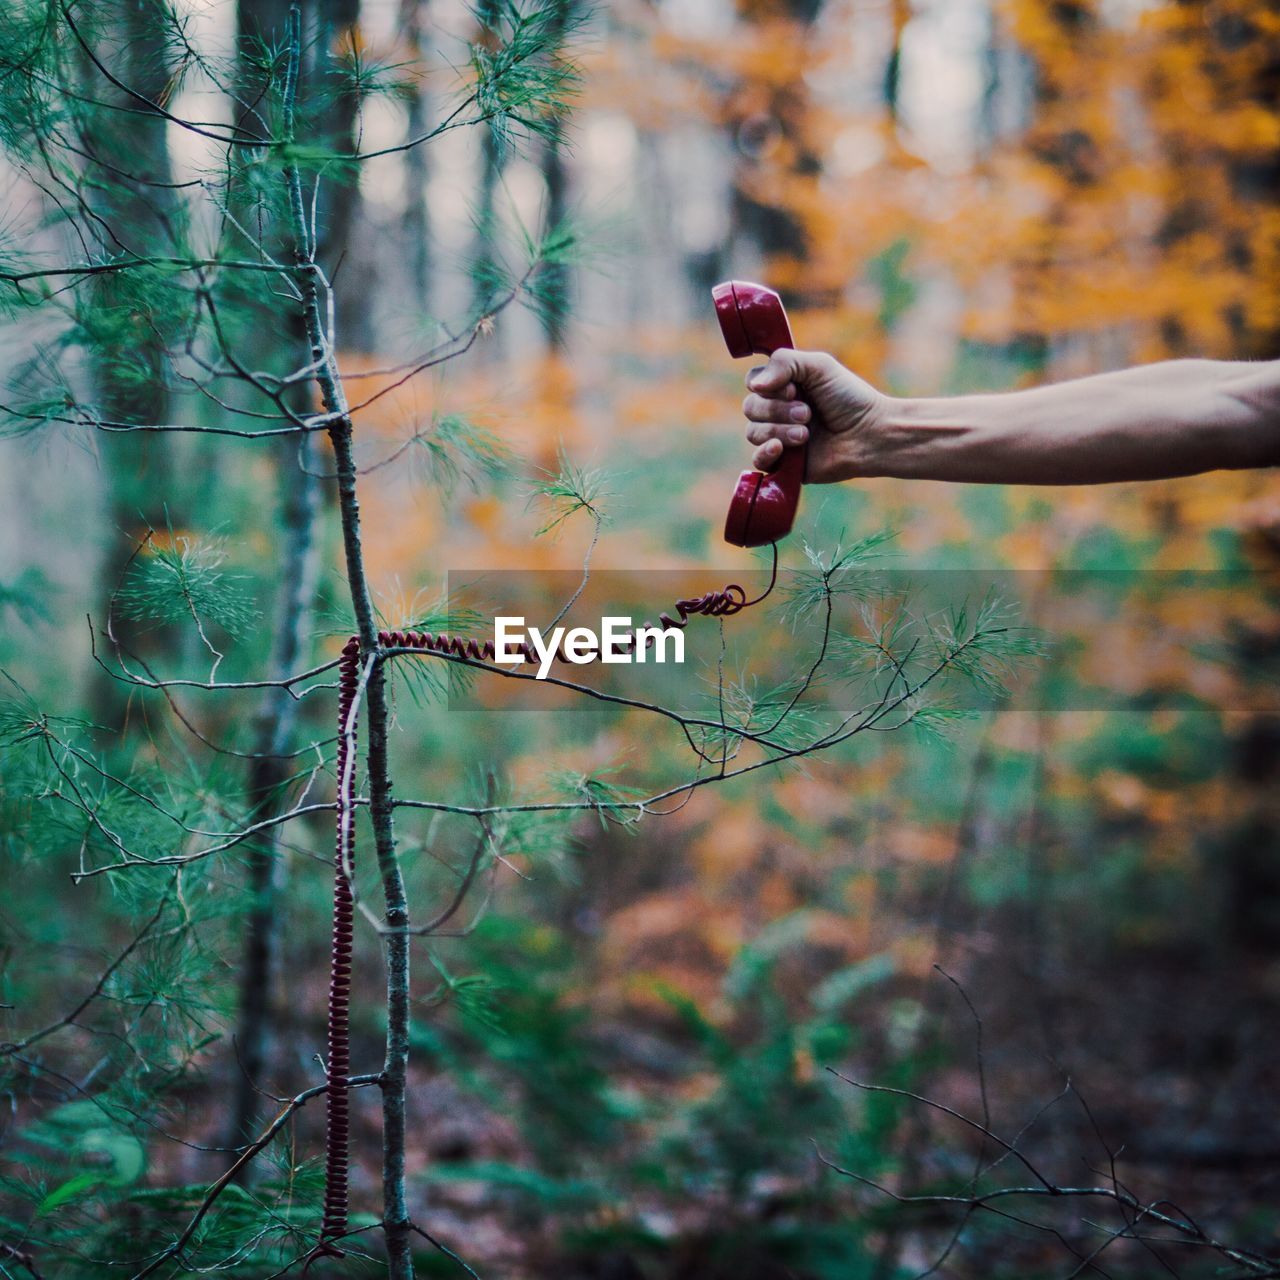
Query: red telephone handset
pixel 764 504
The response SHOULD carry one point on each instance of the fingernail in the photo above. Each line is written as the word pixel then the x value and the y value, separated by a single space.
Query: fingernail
pixel 796 434
pixel 799 413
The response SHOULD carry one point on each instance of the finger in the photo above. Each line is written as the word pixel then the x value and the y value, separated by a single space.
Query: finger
pixel 767 455
pixel 772 378
pixel 788 392
pixel 759 433
pixel 758 408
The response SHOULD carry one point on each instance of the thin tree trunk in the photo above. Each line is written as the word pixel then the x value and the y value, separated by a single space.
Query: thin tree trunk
pixel 396 1224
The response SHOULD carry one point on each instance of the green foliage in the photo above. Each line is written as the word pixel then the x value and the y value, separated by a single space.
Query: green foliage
pixel 105 1211
pixel 1186 749
pixel 745 1145
pixel 565 492
pixel 182 300
pixel 545 285
pixel 722 1139
pixel 837 574
pixel 522 79
pixel 985 645
pixel 598 792
pixel 36 393
pixel 429 679
pixel 476 996
pixel 897 288
pixel 79 1131
pixel 536 1042
pixel 130 313
pixel 940 724
pixel 187 578
pixel 28 597
pixel 161 279
pixel 368 77
pixel 455 451
pixel 918 656
pixel 748 704
pixel 536 278
pixel 29 67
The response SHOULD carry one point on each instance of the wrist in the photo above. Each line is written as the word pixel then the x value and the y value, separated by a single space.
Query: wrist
pixel 1248 415
pixel 866 449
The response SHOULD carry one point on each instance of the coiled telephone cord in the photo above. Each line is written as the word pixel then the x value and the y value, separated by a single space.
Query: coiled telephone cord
pixel 724 603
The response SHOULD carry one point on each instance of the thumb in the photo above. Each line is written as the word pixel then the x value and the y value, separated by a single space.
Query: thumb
pixel 785 366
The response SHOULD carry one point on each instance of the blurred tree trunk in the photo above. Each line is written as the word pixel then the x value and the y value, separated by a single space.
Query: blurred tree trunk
pixel 271 769
pixel 335 25
pixel 270 772
pixel 1057 139
pixel 917 1140
pixel 1255 179
pixel 1252 862
pixel 130 369
pixel 345 254
pixel 900 12
pixel 417 218
pixel 491 163
pixel 554 174
pixel 777 124
pixel 558 278
pixel 260 22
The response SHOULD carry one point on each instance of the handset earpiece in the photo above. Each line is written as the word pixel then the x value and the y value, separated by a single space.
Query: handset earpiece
pixel 764 503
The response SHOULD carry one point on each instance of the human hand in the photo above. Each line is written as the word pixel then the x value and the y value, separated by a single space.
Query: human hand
pixel 809 395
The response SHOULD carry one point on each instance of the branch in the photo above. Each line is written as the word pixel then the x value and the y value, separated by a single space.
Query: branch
pixel 182 859
pixel 259 1143
pixel 108 268
pixel 17 1046
pixel 1188 1230
pixel 154 108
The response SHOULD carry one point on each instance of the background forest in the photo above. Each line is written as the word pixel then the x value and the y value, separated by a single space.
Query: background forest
pixel 991 995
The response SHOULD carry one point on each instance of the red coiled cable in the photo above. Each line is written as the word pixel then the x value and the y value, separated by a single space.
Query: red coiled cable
pixel 337 1193
pixel 713 604
pixel 338 1061
pixel 447 646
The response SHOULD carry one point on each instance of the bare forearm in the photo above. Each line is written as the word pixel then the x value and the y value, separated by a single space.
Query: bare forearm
pixel 1171 419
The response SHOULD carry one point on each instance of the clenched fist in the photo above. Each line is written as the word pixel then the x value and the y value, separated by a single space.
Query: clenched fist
pixel 809 395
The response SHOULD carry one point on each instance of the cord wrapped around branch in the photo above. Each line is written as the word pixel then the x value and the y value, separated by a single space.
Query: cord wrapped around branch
pixel 337 1191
